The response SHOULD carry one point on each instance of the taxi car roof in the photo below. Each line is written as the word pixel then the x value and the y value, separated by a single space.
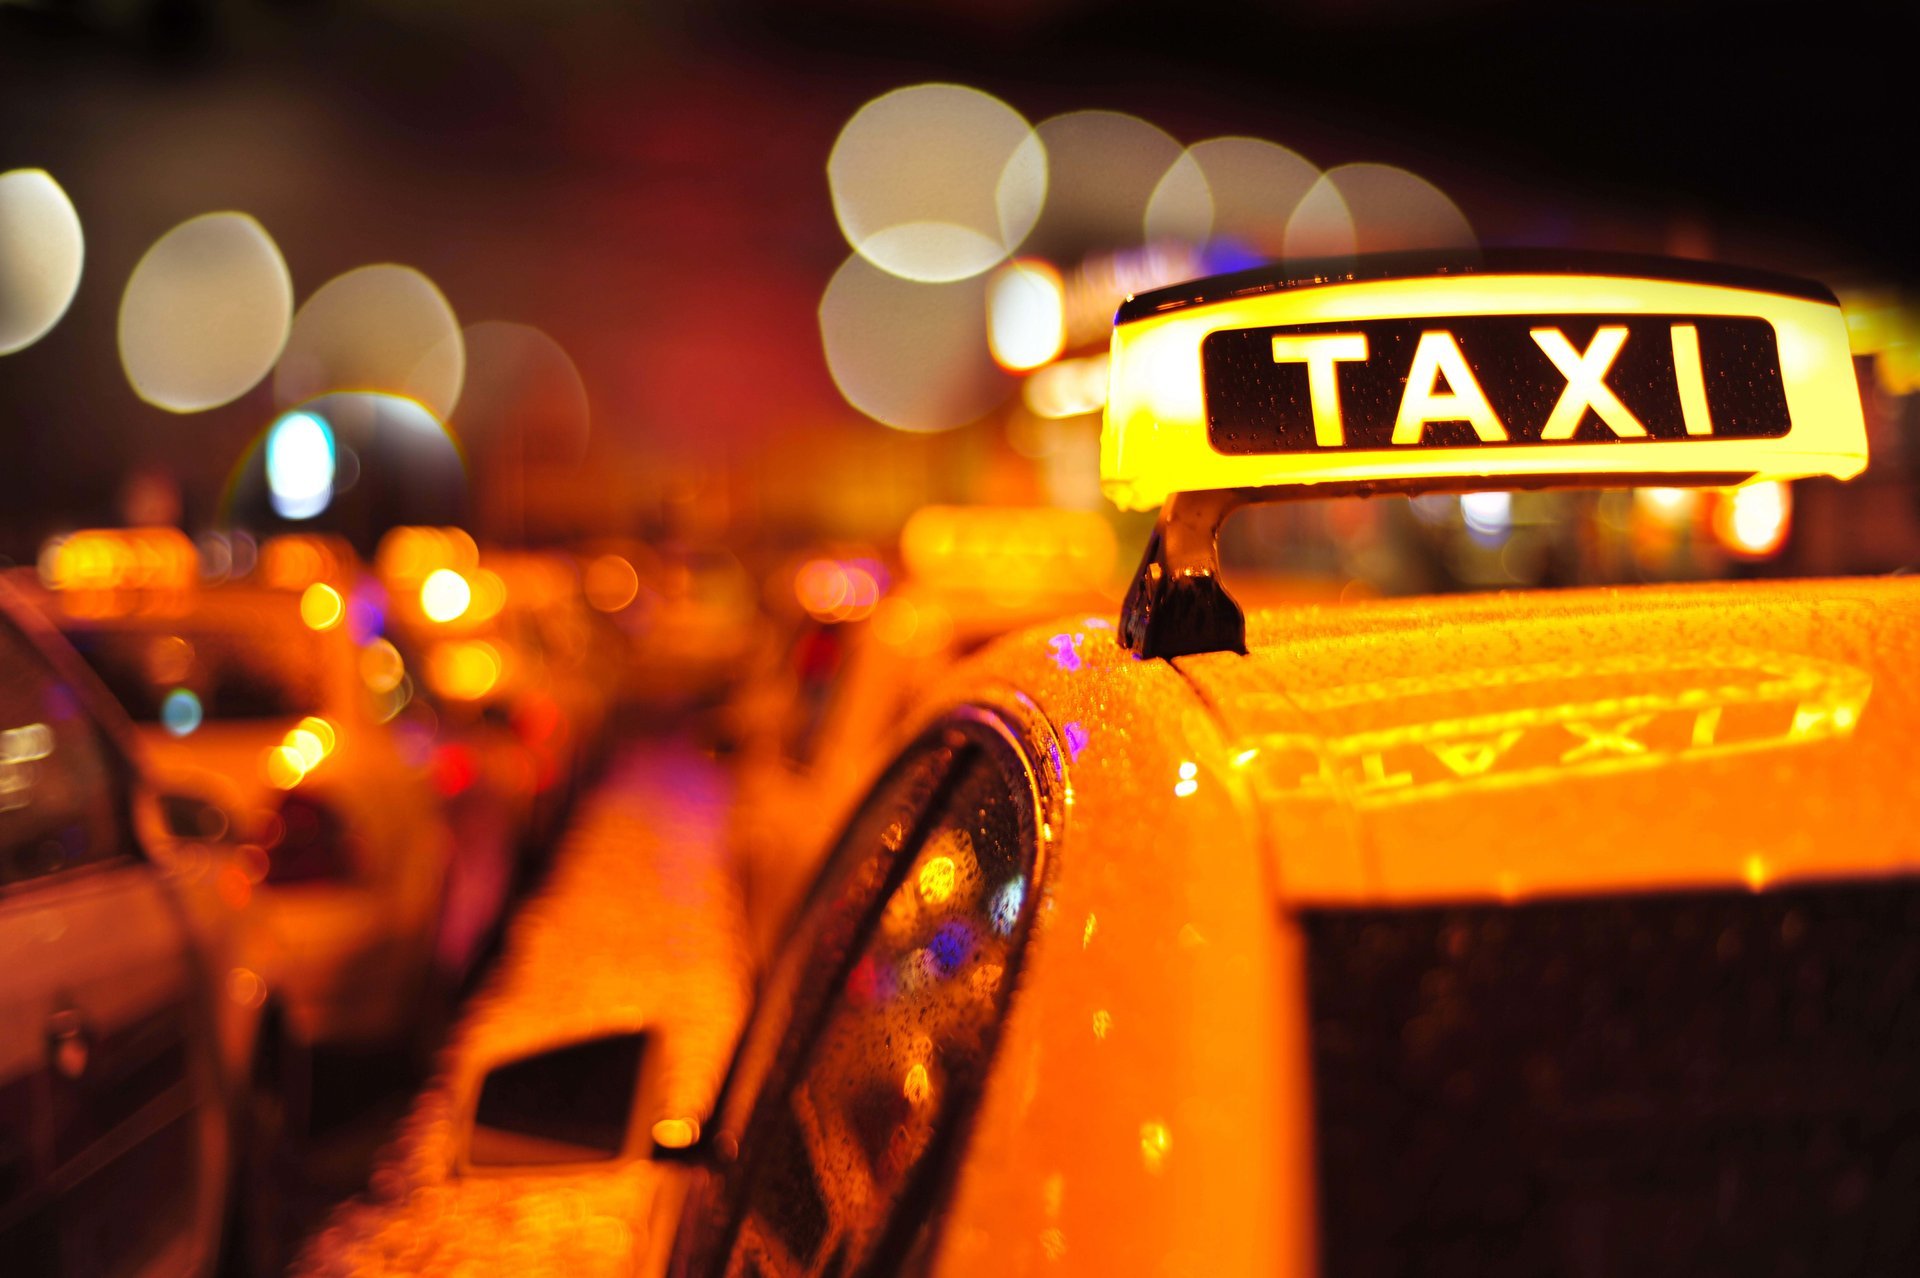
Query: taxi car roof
pixel 1651 737
pixel 1505 261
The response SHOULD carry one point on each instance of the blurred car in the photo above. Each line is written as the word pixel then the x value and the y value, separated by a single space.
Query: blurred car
pixel 815 726
pixel 507 642
pixel 285 698
pixel 685 617
pixel 115 1102
pixel 1512 934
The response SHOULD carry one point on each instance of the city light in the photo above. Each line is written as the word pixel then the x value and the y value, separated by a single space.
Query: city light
pixel 383 328
pixel 205 313
pixel 321 606
pixel 300 466
pixel 1026 315
pixel 445 595
pixel 41 253
pixel 1752 522
pixel 936 182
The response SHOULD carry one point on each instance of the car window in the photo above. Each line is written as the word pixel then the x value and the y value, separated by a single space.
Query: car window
pixel 907 972
pixel 59 796
pixel 227 673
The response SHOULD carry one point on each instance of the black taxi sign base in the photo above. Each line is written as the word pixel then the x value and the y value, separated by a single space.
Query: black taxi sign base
pixel 1517 370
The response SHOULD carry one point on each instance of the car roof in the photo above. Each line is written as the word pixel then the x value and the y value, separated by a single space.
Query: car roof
pixel 1640 738
pixel 1648 738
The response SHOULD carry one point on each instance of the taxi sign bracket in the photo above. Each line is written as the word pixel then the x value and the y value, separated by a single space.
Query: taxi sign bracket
pixel 1176 605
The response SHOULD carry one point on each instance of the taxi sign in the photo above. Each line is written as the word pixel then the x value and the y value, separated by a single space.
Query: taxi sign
pixel 1522 370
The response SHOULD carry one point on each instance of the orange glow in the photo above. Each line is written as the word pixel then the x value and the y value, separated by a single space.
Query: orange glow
pixel 245 987
pixel 120 559
pixel 408 554
pixel 833 592
pixel 1102 1023
pixel 1155 1141
pixel 1008 547
pixel 381 667
pixel 286 767
pixel 676 1133
pixel 489 596
pixel 321 606
pixel 293 561
pixel 611 583
pixel 918 1088
pixel 445 595
pixel 465 671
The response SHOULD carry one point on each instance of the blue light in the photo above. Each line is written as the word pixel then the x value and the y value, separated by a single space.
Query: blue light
pixel 1066 651
pixel 180 712
pixel 1077 738
pixel 951 945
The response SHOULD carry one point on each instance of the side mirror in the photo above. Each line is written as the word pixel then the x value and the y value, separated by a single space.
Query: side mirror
pixel 571 1104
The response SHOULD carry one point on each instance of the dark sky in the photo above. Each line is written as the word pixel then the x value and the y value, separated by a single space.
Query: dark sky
pixel 647 183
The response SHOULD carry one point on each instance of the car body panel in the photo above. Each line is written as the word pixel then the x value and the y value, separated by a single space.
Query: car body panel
pixel 1656 738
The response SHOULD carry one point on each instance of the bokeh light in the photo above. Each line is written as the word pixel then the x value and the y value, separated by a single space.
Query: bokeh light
pixel 1026 314
pixel 1102 170
pixel 522 397
pixel 1374 208
pixel 937 182
pixel 321 606
pixel 445 595
pixel 1238 189
pixel 41 254
pixel 300 466
pixel 393 461
pixel 611 583
pixel 1752 522
pixel 380 328
pixel 205 313
pixel 180 712
pixel 913 356
pixel 465 670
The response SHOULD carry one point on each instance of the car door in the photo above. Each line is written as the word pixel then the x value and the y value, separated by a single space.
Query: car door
pixel 101 979
pixel 875 1034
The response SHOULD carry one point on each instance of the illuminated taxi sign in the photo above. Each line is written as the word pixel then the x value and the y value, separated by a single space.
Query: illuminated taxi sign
pixel 1506 375
pixel 120 559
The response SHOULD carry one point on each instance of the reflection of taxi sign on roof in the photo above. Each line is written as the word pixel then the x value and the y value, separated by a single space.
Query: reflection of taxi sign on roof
pixel 1007 549
pixel 1525 371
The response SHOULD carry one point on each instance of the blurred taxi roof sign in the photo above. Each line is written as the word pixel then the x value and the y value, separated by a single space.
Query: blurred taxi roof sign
pixel 92 559
pixel 1521 369
pixel 1403 374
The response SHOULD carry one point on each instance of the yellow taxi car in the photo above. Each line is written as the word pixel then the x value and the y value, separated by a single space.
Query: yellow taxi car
pixel 1560 933
pixel 817 727
pixel 506 644
pixel 277 705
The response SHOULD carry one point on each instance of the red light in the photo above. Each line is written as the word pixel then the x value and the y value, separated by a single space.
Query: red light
pixel 454 769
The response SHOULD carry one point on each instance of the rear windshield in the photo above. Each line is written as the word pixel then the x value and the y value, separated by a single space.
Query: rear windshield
pixel 230 671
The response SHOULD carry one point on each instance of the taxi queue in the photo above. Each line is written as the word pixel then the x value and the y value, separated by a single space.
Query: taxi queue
pixel 265 807
pixel 1550 934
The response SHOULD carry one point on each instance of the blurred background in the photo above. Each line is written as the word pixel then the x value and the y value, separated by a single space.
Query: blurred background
pixel 636 268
